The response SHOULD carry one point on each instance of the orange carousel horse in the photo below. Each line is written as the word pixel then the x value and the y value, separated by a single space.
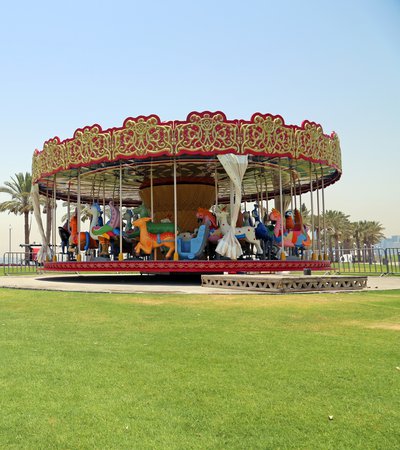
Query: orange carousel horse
pixel 85 241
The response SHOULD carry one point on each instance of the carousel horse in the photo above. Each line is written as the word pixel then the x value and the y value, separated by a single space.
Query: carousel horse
pixel 64 234
pixel 111 228
pixel 141 211
pixel 289 223
pixel 298 222
pixel 149 241
pixel 246 233
pixel 264 233
pixel 85 240
pixel 129 217
pixel 165 226
pixel 208 218
pixel 291 238
pixel 247 220
pixel 104 233
pixel 130 233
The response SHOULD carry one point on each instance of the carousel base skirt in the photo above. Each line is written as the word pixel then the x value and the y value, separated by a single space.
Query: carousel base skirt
pixel 204 266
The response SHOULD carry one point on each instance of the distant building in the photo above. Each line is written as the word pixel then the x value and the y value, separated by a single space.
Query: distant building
pixel 392 242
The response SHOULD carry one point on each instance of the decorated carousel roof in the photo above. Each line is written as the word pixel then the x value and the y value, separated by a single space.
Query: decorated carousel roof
pixel 145 148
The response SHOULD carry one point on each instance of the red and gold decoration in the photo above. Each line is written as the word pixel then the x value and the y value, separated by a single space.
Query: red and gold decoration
pixel 202 134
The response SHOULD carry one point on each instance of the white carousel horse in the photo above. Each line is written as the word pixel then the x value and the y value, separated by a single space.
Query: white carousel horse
pixel 247 233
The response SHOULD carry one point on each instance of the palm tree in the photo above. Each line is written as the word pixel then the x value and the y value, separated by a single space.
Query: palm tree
pixel 348 235
pixel 337 226
pixel 360 233
pixel 373 233
pixel 20 190
pixel 305 214
pixel 368 233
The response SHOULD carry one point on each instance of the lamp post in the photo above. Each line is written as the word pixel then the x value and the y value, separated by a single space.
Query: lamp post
pixel 9 238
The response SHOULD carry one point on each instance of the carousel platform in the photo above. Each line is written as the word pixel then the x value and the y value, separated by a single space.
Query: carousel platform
pixel 285 283
pixel 185 266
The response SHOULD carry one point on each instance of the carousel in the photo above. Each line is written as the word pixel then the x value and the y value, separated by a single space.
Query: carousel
pixel 205 195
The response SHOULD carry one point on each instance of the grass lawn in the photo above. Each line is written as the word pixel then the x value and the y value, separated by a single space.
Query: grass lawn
pixel 114 371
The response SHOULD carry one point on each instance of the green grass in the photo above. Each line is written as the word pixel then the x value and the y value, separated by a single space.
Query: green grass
pixel 185 372
pixel 18 270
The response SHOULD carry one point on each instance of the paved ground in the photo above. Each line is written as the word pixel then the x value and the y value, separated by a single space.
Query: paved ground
pixel 137 284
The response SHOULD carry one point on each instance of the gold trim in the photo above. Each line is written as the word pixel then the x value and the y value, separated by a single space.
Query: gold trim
pixel 203 133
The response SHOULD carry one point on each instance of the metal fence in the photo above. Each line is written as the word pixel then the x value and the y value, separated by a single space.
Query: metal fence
pixel 369 260
pixel 373 260
pixel 15 263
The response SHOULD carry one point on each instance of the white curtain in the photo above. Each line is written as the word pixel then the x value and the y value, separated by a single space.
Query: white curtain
pixel 45 250
pixel 235 166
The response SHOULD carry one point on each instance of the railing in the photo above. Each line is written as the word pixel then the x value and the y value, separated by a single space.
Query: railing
pixel 368 260
pixel 373 260
pixel 15 263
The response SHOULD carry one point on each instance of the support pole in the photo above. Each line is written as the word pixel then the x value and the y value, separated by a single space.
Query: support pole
pixel 69 219
pixel 325 255
pixel 313 255
pixel 291 190
pixel 151 194
pixel 54 220
pixel 319 220
pixel 261 195
pixel 176 255
pixel 258 191
pixel 69 204
pixel 101 246
pixel 120 254
pixel 266 198
pixel 300 195
pixel 104 199
pixel 294 190
pixel 283 254
pixel 216 187
pixel 48 237
pixel 78 219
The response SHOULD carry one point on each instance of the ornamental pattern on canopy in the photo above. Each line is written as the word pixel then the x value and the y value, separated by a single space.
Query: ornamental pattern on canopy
pixel 206 133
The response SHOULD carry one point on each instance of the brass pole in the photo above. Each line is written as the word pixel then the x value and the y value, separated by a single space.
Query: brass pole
pixel 313 255
pixel 283 254
pixel 121 254
pixel 78 219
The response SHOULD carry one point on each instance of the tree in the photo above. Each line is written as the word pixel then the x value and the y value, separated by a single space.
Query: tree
pixel 305 214
pixel 373 233
pixel 367 233
pixel 338 227
pixel 359 230
pixel 20 190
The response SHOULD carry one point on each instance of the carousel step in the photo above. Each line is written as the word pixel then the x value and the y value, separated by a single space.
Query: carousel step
pixel 285 283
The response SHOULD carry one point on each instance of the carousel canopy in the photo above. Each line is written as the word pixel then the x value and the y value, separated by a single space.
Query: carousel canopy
pixel 145 149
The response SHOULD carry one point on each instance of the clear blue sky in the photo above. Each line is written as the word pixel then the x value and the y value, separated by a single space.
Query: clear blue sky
pixel 66 65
